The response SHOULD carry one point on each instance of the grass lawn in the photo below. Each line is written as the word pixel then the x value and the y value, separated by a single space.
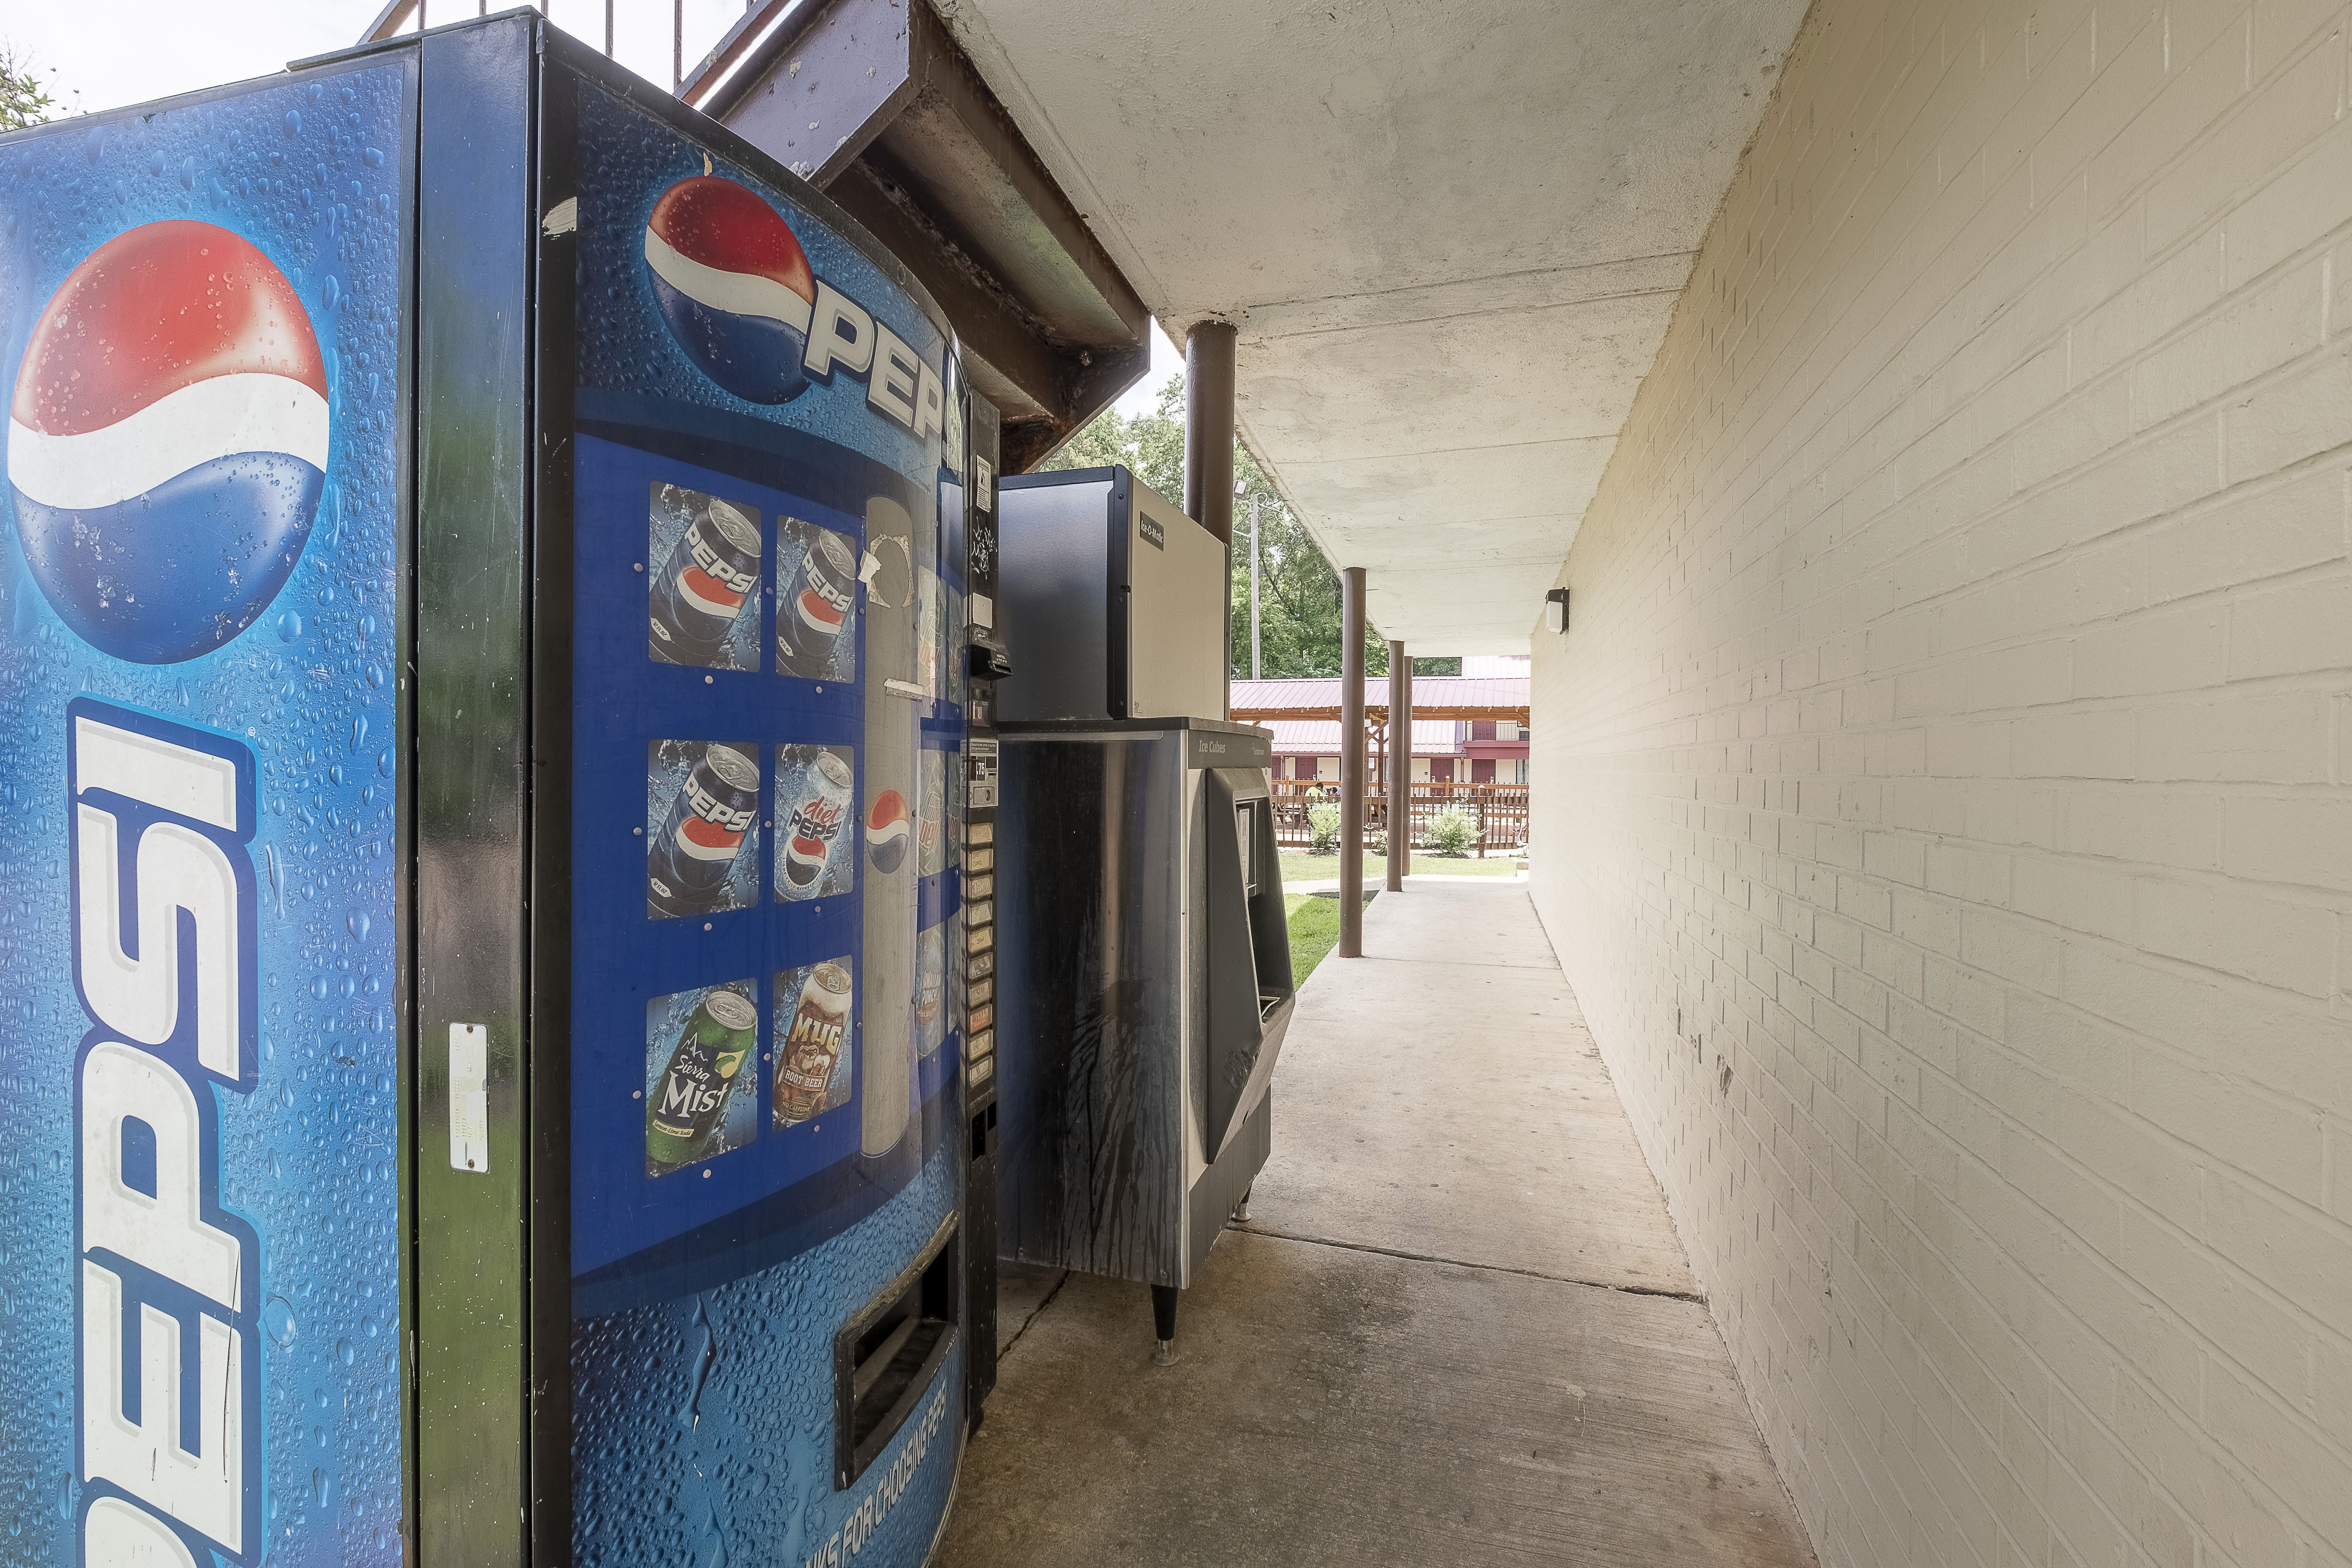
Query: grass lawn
pixel 1314 931
pixel 1298 865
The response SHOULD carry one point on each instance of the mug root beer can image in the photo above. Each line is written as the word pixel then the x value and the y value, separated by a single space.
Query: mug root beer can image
pixel 810 1053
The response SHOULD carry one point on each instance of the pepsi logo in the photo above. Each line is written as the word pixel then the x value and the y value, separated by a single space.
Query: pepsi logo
pixel 167 441
pixel 734 286
pixel 887 831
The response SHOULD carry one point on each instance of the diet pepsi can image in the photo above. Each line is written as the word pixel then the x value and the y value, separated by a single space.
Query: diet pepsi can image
pixel 687 1108
pixel 814 823
pixel 690 863
pixel 815 604
pixel 712 573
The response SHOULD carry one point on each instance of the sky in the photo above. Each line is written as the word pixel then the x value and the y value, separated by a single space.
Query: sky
pixel 104 53
pixel 1166 359
pixel 142 49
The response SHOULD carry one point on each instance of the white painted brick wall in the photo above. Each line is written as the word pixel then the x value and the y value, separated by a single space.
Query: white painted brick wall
pixel 1943 794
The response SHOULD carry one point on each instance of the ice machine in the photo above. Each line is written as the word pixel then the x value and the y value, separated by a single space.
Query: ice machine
pixel 1144 973
pixel 1114 600
pixel 483 742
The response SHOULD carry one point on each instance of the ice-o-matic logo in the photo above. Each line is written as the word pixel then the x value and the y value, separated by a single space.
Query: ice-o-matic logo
pixel 167 441
pixel 167 1366
pixel 743 303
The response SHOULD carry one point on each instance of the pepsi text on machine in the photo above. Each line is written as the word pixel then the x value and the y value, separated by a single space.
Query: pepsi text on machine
pixel 177 804
pixel 168 443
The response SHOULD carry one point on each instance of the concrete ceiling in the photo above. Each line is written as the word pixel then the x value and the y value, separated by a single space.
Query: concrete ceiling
pixel 1451 236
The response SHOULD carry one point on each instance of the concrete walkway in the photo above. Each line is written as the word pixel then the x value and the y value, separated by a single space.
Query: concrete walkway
pixel 1457 1328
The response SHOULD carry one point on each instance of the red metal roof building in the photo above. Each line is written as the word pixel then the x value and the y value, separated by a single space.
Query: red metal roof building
pixel 1466 729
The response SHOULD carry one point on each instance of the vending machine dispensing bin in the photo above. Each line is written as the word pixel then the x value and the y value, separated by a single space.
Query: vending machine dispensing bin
pixel 483 701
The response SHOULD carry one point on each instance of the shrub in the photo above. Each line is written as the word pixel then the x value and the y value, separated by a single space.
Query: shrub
pixel 1451 831
pixel 1323 825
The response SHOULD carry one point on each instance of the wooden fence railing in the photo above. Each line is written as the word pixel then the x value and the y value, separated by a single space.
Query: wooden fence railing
pixel 1500 811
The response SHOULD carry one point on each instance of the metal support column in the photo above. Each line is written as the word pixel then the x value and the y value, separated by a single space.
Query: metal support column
pixel 1399 766
pixel 1351 762
pixel 1208 449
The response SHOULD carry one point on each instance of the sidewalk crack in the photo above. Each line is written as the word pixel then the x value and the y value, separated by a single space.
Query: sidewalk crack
pixel 1034 1313
pixel 1255 1229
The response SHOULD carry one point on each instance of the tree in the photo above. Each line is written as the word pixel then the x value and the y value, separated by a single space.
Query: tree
pixel 23 99
pixel 1298 593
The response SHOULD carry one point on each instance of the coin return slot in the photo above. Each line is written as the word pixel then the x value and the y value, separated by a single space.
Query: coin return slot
pixel 886 1355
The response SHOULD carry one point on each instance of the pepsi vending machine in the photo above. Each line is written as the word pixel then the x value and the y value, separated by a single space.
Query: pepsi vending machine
pixel 482 730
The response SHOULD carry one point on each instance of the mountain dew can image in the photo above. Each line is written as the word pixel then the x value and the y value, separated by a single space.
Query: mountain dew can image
pixel 705 1066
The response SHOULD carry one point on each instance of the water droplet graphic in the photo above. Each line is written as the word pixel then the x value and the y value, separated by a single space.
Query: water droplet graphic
pixel 358 922
pixel 344 1353
pixel 322 1485
pixel 65 1496
pixel 290 626
pixel 277 1317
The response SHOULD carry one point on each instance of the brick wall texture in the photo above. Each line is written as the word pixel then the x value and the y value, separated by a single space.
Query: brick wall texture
pixel 1944 792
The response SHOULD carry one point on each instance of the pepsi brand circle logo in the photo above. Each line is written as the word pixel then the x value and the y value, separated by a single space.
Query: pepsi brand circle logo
pixel 167 441
pixel 733 285
pixel 886 831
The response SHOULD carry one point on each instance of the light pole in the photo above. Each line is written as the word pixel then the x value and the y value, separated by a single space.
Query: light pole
pixel 1242 487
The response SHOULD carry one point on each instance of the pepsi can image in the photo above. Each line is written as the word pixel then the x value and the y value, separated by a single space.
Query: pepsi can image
pixel 701 591
pixel 816 605
pixel 814 826
pixel 690 864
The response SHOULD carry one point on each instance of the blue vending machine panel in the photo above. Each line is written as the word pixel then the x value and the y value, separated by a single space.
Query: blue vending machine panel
pixel 766 727
pixel 201 613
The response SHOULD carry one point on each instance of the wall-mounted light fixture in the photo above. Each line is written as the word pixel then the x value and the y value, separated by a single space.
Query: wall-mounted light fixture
pixel 1556 610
